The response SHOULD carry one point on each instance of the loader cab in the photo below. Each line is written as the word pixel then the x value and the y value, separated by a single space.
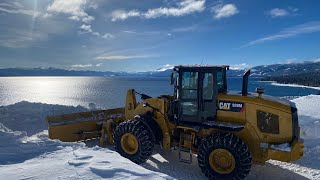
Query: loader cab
pixel 195 91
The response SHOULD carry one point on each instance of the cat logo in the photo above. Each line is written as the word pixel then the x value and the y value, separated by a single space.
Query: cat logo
pixel 224 105
pixel 231 106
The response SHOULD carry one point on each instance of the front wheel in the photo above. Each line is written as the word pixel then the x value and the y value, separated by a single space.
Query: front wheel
pixel 224 156
pixel 133 140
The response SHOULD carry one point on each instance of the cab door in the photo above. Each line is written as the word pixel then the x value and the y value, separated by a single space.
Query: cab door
pixel 197 96
pixel 189 96
pixel 208 99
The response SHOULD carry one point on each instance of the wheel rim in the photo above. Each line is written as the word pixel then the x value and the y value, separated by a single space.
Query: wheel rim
pixel 129 143
pixel 222 161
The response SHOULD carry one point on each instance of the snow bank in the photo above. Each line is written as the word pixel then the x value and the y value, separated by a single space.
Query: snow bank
pixel 308 106
pixel 78 163
pixel 17 147
pixel 26 152
pixel 38 157
pixel 30 117
pixel 309 115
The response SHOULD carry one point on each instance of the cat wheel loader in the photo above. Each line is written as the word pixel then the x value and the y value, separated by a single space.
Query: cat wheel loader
pixel 227 131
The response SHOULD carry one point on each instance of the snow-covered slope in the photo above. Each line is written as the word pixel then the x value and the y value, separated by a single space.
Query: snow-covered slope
pixel 77 162
pixel 38 157
pixel 26 153
pixel 30 117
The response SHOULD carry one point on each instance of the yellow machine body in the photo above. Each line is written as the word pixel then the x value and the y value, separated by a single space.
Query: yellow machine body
pixel 227 130
pixel 87 125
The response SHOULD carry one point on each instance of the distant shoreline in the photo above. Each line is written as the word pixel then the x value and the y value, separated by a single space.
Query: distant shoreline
pixel 292 85
pixel 310 79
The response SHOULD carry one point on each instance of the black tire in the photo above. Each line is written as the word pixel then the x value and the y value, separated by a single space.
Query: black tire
pixel 142 134
pixel 235 146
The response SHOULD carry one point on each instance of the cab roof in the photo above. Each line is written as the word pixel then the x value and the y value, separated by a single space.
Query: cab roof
pixel 201 67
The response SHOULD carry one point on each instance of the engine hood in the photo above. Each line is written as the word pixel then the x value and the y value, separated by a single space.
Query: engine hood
pixel 265 97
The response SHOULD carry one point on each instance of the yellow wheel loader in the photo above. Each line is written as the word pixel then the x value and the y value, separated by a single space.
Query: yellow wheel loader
pixel 227 131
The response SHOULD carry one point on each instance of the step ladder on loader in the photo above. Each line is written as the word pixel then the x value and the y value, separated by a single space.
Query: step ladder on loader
pixel 185 144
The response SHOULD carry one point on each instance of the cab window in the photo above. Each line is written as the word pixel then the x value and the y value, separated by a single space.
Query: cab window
pixel 208 86
pixel 189 85
pixel 221 86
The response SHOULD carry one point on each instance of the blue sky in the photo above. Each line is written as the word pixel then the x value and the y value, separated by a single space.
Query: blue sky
pixel 144 35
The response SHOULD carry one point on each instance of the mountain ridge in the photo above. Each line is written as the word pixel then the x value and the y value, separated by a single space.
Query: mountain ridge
pixel 257 71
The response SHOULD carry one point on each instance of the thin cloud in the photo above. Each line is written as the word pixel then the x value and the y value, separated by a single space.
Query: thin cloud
pixel 21 38
pixel 306 28
pixel 223 11
pixel 20 11
pixel 6 5
pixel 17 8
pixel 120 57
pixel 183 8
pixel 85 65
pixel 88 29
pixel 167 32
pixel 278 12
pixel 75 10
pixel 88 19
pixel 108 36
pixel 184 29
pixel 13 5
pixel 130 32
pixel 122 14
pixel 18 4
pixel 143 32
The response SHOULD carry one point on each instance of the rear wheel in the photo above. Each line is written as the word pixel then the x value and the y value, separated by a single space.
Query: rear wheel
pixel 224 156
pixel 133 140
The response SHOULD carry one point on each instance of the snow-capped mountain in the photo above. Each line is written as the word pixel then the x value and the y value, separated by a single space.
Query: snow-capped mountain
pixel 258 71
pixel 286 69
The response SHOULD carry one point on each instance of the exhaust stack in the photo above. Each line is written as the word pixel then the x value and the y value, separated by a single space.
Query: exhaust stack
pixel 245 83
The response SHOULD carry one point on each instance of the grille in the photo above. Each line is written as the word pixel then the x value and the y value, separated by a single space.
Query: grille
pixel 268 122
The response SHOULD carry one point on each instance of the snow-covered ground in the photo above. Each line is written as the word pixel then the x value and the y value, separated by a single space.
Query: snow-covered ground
pixel 27 153
pixel 35 156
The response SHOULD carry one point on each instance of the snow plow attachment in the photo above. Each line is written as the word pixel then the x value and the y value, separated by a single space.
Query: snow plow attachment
pixel 83 125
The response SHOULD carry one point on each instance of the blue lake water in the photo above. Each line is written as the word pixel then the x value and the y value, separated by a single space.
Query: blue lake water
pixel 109 92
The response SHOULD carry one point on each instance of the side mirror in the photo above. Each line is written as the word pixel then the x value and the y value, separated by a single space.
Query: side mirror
pixel 171 78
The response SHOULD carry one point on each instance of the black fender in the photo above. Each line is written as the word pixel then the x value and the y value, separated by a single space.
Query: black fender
pixel 152 125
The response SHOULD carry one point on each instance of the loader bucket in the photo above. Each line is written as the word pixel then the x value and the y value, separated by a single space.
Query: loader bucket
pixel 81 126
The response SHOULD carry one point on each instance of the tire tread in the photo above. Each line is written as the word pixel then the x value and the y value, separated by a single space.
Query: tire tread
pixel 231 143
pixel 143 136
